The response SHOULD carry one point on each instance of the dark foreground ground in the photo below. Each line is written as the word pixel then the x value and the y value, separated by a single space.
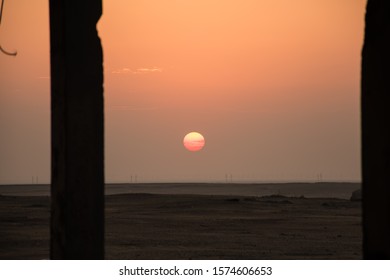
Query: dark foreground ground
pixel 151 226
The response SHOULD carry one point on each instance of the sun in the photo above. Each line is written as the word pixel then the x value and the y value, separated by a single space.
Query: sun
pixel 194 141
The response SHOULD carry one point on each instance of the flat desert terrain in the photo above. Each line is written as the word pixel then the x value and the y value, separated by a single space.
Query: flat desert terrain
pixel 167 226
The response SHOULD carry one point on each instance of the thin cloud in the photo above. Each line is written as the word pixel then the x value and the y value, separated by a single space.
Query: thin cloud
pixel 131 108
pixel 145 70
pixel 122 71
pixel 149 70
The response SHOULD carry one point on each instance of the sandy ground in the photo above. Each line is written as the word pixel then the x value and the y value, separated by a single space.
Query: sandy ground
pixel 151 226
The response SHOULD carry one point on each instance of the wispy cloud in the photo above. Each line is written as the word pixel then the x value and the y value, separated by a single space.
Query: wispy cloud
pixel 145 70
pixel 149 70
pixel 122 71
pixel 130 108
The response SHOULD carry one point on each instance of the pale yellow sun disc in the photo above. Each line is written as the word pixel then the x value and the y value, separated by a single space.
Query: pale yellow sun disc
pixel 194 141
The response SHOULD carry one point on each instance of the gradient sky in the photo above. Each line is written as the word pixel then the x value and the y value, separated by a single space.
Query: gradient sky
pixel 273 85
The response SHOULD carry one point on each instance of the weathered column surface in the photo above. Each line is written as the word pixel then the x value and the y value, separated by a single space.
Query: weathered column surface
pixel 376 131
pixel 77 176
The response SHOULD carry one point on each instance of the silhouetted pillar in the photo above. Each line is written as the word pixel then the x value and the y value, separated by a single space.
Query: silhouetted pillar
pixel 376 131
pixel 77 191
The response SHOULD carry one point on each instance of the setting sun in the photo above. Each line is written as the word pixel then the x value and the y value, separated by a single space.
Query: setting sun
pixel 194 141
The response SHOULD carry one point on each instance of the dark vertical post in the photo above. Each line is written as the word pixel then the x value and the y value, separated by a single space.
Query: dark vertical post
pixel 77 191
pixel 376 131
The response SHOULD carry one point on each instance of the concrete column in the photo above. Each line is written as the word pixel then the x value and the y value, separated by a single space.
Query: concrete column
pixel 77 175
pixel 376 131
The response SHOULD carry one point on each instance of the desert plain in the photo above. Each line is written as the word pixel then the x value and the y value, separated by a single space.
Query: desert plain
pixel 193 226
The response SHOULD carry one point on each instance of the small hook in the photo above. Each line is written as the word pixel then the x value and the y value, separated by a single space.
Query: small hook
pixel 1 49
pixel 8 53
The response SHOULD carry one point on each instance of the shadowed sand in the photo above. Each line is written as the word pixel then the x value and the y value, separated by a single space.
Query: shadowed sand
pixel 155 226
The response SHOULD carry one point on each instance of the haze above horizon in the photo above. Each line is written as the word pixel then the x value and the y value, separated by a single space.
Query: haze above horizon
pixel 274 87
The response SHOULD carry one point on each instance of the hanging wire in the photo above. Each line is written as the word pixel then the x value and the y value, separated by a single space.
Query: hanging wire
pixel 1 49
pixel 1 10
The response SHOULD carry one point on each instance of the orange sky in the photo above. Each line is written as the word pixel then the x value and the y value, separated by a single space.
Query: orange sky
pixel 273 86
